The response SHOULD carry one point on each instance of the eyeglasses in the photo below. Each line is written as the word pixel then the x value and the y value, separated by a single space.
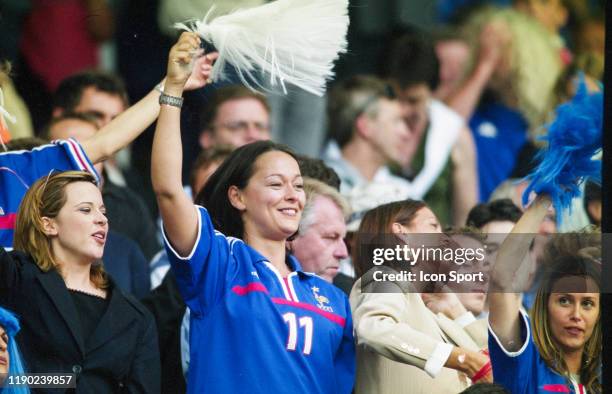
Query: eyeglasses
pixel 243 127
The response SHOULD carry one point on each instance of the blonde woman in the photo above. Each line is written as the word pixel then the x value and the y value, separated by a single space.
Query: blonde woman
pixel 74 319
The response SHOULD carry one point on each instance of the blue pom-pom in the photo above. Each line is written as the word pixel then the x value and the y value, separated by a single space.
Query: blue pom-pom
pixel 9 322
pixel 574 137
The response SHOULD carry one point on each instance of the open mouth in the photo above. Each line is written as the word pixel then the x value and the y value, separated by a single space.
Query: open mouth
pixel 574 331
pixel 99 236
pixel 289 211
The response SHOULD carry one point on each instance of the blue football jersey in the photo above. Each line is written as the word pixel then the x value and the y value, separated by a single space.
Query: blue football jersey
pixel 499 134
pixel 524 371
pixel 20 169
pixel 253 331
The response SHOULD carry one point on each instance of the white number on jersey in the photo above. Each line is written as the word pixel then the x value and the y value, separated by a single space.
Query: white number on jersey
pixel 306 323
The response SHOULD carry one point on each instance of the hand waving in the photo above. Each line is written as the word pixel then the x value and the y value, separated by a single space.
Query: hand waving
pixel 188 67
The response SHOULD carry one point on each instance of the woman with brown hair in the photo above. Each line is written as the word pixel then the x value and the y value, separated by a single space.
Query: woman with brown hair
pixel 253 311
pixel 558 346
pixel 74 319
pixel 401 342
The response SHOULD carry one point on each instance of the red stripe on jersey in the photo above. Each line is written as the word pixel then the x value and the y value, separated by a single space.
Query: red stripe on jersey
pixel 286 280
pixel 328 315
pixel 556 388
pixel 77 154
pixel 7 222
pixel 251 287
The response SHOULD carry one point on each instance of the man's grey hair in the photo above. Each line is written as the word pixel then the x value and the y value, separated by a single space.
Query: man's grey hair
pixel 313 189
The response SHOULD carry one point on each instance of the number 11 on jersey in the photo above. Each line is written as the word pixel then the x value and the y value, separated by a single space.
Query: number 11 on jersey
pixel 304 322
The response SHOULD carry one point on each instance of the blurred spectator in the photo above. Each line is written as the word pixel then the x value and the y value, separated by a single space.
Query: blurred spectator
pixel 513 189
pixel 552 14
pixel 587 68
pixel 592 202
pixel 317 169
pixel 439 136
pixel 473 294
pixel 14 105
pixel 453 53
pixel 495 217
pixel 234 116
pixel 366 134
pixel 101 95
pixel 59 38
pixel 511 89
pixel 96 93
pixel 205 165
pixel 590 36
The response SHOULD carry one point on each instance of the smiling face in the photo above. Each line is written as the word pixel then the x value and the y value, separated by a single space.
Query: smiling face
pixel 271 204
pixel 321 247
pixel 78 232
pixel 4 356
pixel 573 316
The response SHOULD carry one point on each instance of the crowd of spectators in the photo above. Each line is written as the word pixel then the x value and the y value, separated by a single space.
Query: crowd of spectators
pixel 225 243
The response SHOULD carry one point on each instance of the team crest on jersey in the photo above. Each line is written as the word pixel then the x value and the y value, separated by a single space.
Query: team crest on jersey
pixel 322 301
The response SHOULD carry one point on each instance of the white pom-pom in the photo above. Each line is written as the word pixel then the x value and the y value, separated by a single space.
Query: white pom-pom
pixel 285 41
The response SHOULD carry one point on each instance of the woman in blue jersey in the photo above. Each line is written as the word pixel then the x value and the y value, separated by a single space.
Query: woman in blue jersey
pixel 10 358
pixel 259 324
pixel 557 347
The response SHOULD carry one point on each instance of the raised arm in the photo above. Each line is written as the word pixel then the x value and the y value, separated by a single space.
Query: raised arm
pixel 504 302
pixel 177 210
pixel 464 176
pixel 494 39
pixel 122 130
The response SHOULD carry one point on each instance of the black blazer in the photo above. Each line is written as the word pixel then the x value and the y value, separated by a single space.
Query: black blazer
pixel 120 356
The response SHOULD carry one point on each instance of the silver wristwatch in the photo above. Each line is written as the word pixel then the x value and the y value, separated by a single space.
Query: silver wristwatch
pixel 170 100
